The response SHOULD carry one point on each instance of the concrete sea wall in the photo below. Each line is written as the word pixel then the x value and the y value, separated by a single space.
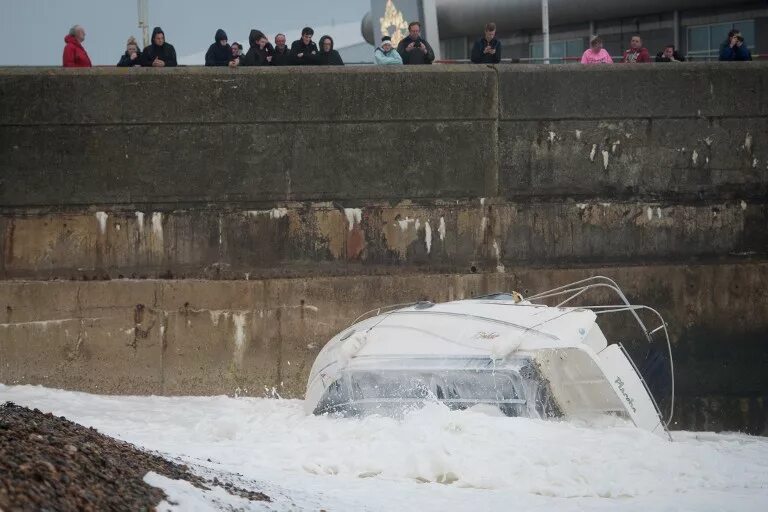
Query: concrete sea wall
pixel 197 231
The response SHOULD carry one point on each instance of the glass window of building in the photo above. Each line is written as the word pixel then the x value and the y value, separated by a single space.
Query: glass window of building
pixel 568 50
pixel 704 40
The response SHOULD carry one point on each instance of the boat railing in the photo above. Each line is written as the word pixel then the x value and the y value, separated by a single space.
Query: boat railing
pixel 383 309
pixel 578 288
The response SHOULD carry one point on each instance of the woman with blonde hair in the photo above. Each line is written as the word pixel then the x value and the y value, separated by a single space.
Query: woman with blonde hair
pixel 596 54
pixel 132 55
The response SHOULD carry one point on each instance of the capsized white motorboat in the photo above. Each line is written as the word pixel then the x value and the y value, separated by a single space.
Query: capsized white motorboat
pixel 515 353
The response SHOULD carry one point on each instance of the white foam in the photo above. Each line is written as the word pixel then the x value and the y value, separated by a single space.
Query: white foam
pixel 379 463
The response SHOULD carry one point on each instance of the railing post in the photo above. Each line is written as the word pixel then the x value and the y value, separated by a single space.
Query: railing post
pixel 545 28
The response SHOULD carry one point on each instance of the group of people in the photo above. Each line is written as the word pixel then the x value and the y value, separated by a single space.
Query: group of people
pixel 732 49
pixel 261 52
pixel 157 54
pixel 411 50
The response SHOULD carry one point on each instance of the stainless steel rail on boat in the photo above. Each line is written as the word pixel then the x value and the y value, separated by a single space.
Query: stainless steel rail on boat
pixel 383 309
pixel 578 288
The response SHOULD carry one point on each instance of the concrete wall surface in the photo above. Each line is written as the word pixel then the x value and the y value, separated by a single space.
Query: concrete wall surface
pixel 328 239
pixel 286 134
pixel 196 231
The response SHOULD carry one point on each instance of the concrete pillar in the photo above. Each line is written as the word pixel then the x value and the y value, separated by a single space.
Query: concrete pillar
pixel 676 29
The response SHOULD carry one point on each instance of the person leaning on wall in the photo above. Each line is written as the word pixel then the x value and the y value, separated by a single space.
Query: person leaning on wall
pixel 132 56
pixel 75 55
pixel 260 51
pixel 487 49
pixel 596 54
pixel 386 55
pixel 237 52
pixel 327 55
pixel 281 55
pixel 219 53
pixel 159 54
pixel 734 48
pixel 636 53
pixel 304 51
pixel 669 54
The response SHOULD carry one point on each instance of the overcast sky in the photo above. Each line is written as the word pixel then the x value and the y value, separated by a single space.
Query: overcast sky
pixel 35 29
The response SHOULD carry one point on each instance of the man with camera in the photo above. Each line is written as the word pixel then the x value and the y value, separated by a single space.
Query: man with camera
pixel 734 49
pixel 487 49
pixel 413 49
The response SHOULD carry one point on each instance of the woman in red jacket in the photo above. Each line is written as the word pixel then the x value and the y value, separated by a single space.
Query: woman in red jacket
pixel 75 55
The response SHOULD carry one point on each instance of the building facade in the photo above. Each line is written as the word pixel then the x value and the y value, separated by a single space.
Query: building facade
pixel 697 28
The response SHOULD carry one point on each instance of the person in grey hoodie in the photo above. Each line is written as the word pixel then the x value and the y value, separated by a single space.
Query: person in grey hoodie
pixel 386 55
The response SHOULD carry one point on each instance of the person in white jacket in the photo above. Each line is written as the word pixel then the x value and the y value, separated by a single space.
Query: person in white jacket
pixel 386 55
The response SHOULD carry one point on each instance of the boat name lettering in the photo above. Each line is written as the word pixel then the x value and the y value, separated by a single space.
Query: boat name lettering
pixel 482 335
pixel 620 384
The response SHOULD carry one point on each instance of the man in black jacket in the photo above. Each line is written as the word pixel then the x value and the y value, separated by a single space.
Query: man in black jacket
pixel 304 51
pixel 159 53
pixel 413 49
pixel 219 53
pixel 328 56
pixel 487 49
pixel 280 53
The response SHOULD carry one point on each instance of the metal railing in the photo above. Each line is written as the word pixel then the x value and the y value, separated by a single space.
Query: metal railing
pixel 576 289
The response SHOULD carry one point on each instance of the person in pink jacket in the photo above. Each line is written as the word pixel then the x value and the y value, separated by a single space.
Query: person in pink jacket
pixel 596 54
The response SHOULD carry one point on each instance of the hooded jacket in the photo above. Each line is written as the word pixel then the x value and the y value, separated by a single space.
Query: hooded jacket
pixel 415 56
pixel 75 55
pixel 387 58
pixel 219 54
pixel 478 57
pixel 256 55
pixel 329 58
pixel 636 55
pixel 309 53
pixel 166 52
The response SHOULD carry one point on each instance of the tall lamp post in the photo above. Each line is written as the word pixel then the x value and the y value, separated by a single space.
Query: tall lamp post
pixel 144 20
pixel 545 28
